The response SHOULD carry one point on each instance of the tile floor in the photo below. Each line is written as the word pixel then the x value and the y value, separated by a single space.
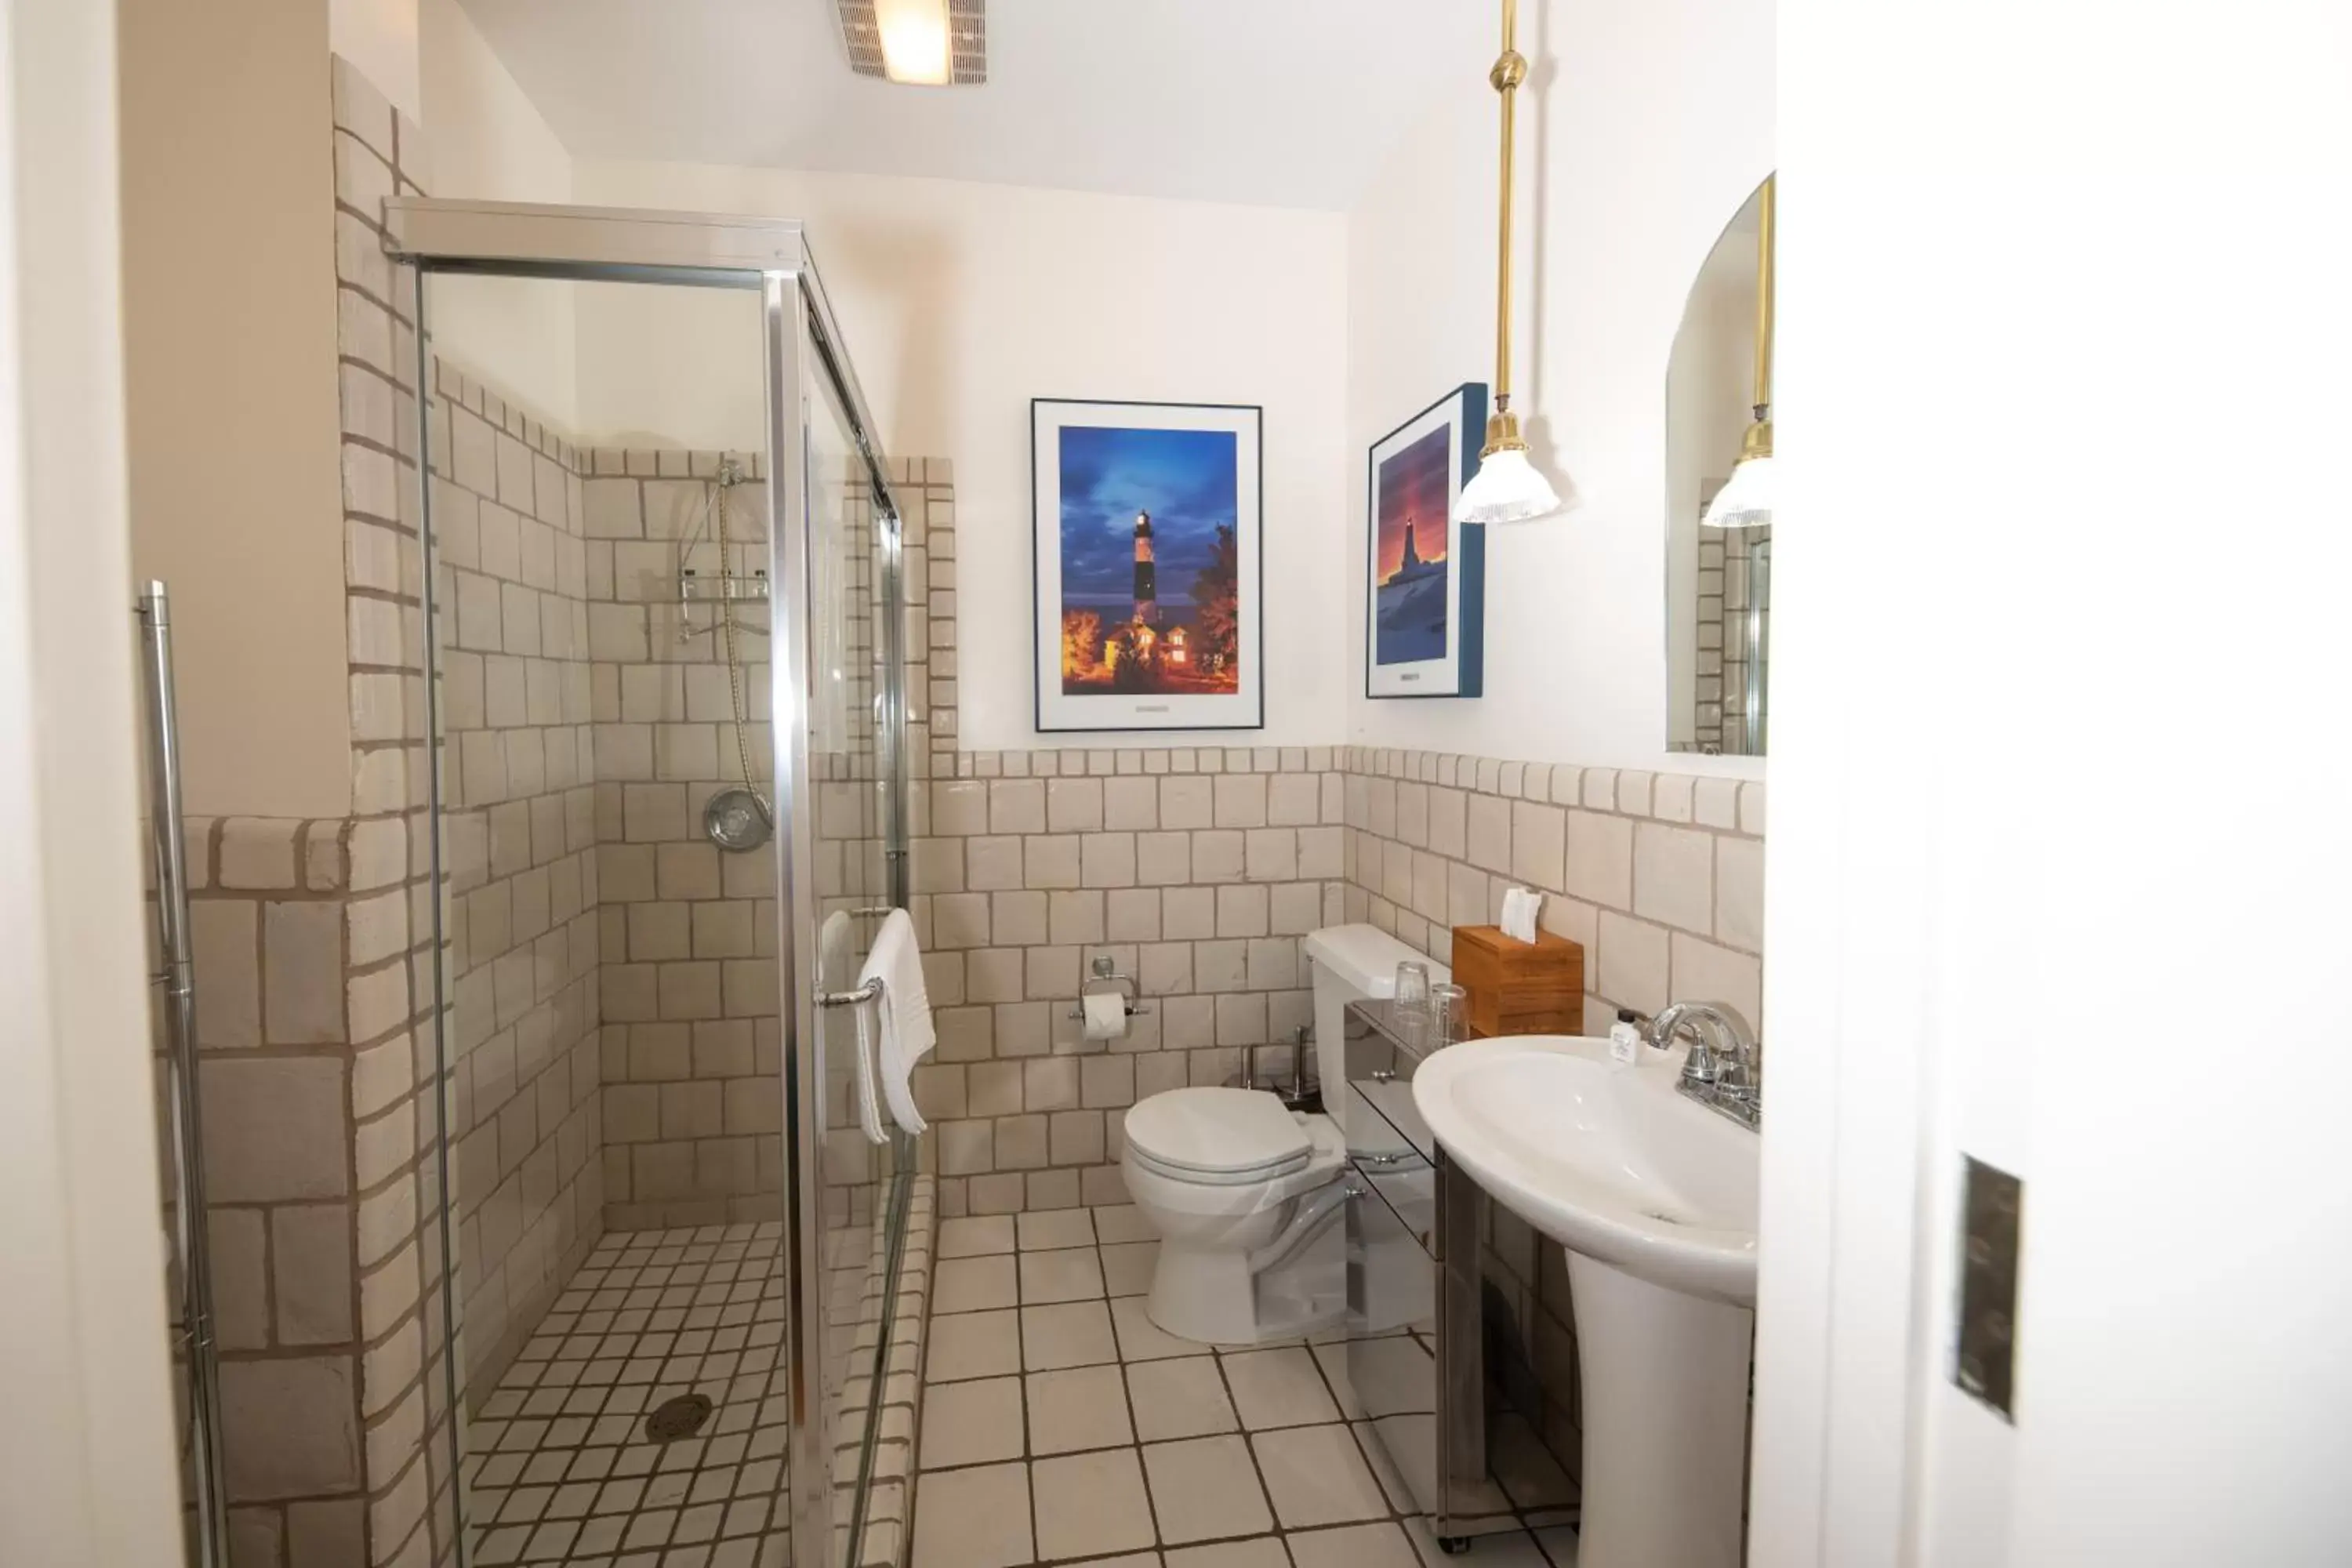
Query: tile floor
pixel 1060 1425
pixel 559 1468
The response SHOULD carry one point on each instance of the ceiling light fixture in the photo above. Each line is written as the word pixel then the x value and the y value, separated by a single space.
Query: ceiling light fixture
pixel 1746 501
pixel 1507 487
pixel 919 43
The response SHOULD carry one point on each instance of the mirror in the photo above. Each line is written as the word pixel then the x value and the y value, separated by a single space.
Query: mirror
pixel 1718 579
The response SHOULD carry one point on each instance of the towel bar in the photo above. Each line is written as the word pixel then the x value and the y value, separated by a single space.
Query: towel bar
pixel 866 993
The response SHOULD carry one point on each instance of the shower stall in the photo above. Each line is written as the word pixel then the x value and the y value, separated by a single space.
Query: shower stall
pixel 666 693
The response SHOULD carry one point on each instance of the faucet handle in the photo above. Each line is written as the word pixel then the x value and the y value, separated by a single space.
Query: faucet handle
pixel 1701 1066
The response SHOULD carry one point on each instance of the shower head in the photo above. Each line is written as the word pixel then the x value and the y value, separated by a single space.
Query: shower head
pixel 927 43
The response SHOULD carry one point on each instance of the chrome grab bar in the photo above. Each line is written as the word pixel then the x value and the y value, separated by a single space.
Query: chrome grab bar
pixel 866 993
pixel 871 988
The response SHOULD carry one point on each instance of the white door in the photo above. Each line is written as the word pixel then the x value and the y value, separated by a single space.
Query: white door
pixel 87 1473
pixel 2062 783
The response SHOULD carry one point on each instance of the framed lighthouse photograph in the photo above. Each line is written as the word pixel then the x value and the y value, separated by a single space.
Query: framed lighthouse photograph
pixel 1147 525
pixel 1424 617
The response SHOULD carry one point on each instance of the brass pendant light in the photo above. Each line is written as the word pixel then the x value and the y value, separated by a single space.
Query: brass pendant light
pixel 1507 487
pixel 1746 501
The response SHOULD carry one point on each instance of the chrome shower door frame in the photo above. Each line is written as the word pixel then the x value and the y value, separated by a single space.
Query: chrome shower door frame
pixel 800 337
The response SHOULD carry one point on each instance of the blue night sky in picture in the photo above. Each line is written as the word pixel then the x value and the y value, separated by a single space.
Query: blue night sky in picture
pixel 1411 551
pixel 1187 480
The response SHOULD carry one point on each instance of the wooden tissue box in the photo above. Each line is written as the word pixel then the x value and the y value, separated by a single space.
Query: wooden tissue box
pixel 1519 988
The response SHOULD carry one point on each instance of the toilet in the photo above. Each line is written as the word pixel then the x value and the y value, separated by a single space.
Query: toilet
pixel 1245 1193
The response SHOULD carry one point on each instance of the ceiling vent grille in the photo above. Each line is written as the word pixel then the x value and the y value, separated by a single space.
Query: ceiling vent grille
pixel 861 30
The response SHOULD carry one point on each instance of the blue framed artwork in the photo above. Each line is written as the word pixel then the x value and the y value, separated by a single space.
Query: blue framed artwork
pixel 1147 537
pixel 1425 575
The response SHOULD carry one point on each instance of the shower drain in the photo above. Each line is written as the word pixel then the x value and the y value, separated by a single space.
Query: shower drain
pixel 679 1417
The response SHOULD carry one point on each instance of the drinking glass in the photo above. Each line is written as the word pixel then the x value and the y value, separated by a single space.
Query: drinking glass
pixel 1449 1015
pixel 1412 1002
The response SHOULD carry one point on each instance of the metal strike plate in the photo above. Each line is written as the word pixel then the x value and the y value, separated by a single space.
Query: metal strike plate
pixel 1984 1362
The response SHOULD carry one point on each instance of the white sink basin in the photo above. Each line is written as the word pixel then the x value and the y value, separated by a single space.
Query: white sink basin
pixel 1604 1157
pixel 1654 1198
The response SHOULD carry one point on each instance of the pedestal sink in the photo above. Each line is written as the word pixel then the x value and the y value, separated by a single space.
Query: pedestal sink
pixel 1654 1198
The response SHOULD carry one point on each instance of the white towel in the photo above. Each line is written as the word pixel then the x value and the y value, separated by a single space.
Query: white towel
pixel 906 1014
pixel 835 951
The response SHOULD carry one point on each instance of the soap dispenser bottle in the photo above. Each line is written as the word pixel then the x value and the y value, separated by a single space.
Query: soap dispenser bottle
pixel 1625 1037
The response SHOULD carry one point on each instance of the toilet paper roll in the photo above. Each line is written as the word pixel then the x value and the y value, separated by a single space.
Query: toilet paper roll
pixel 1106 1014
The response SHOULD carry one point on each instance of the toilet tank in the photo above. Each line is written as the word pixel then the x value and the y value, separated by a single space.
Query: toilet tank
pixel 1352 964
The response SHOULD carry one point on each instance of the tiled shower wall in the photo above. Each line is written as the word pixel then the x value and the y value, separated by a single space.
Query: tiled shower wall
pixel 1727 583
pixel 396 1092
pixel 689 982
pixel 520 831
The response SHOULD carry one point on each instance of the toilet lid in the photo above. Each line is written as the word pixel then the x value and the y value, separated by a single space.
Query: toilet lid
pixel 1218 1131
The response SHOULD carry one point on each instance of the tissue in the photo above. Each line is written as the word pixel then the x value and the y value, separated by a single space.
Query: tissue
pixel 1105 1013
pixel 1519 906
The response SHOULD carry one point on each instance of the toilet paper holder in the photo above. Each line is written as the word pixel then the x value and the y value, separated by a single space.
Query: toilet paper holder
pixel 1105 973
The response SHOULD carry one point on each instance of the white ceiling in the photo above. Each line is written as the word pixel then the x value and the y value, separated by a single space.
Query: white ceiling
pixel 1280 102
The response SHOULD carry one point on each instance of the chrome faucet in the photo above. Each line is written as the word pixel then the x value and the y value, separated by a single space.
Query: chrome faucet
pixel 1720 1074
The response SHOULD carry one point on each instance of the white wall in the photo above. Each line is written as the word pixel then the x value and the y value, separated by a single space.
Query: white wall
pixel 677 367
pixel 87 1461
pixel 228 281
pixel 1643 131
pixel 486 141
pixel 382 38
pixel 2079 914
pixel 963 301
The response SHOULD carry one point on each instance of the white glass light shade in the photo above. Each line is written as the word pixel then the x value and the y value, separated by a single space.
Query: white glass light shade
pixel 915 47
pixel 1506 488
pixel 1746 501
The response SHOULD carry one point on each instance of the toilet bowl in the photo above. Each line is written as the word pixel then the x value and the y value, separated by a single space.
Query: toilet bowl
pixel 1244 1192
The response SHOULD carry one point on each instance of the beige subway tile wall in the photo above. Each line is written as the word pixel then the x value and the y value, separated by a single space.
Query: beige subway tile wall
pixel 390 962
pixel 1659 876
pixel 1194 870
pixel 691 1104
pixel 267 907
pixel 1197 870
pixel 691 1040
pixel 518 848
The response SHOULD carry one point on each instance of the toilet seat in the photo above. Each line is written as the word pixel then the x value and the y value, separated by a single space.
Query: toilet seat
pixel 1218 1137
pixel 1168 1191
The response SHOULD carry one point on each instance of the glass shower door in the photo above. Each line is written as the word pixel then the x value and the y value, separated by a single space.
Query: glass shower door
pixel 689 635
pixel 866 1183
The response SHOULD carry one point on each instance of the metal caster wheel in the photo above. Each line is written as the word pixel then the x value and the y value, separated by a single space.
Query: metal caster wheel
pixel 1454 1545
